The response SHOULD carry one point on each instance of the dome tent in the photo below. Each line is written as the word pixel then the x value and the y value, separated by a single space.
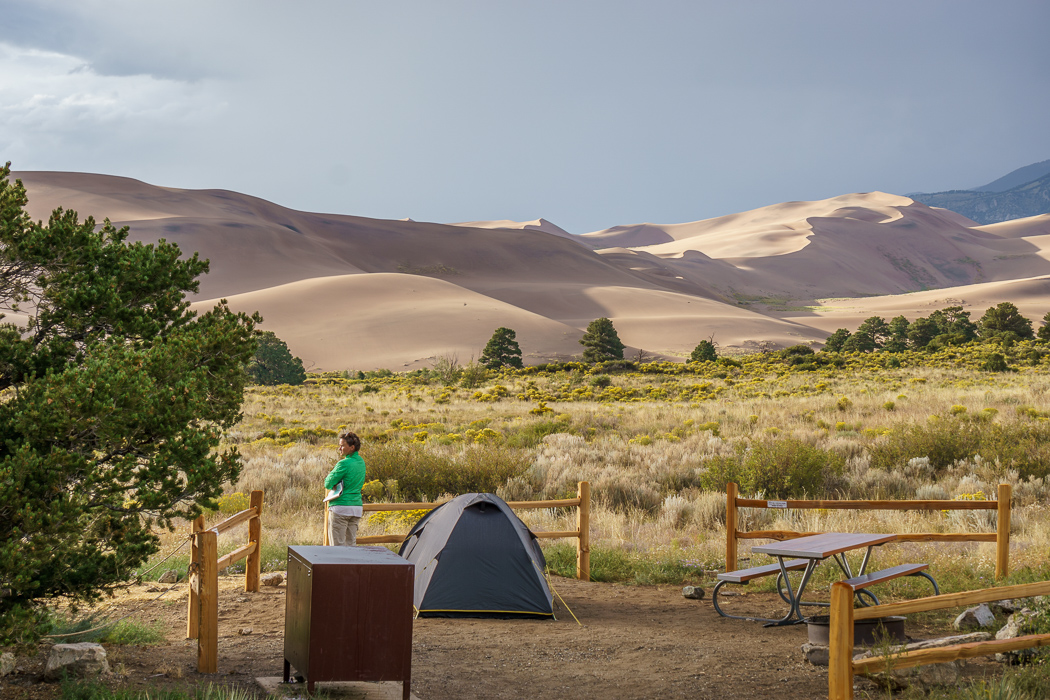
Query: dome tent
pixel 475 558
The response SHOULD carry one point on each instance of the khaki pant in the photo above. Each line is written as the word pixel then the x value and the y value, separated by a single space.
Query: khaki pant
pixel 342 529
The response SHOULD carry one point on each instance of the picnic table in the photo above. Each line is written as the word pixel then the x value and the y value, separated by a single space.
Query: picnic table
pixel 806 553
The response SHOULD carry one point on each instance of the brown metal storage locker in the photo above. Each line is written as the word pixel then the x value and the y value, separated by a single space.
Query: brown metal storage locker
pixel 348 615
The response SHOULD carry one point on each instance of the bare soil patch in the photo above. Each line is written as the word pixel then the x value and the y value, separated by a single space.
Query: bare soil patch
pixel 634 642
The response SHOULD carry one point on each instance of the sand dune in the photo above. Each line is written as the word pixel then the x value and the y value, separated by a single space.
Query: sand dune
pixel 1019 228
pixel 771 230
pixel 351 292
pixel 673 324
pixel 540 224
pixel 254 244
pixel 408 321
pixel 870 244
pixel 1030 295
pixel 364 322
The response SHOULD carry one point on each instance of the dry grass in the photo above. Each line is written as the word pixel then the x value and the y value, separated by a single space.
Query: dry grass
pixel 647 443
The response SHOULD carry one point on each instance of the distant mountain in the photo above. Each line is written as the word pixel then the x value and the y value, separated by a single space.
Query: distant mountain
pixel 990 207
pixel 1021 176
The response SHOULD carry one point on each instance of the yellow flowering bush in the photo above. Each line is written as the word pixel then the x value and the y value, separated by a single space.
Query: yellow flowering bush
pixel 399 520
pixel 373 490
pixel 232 503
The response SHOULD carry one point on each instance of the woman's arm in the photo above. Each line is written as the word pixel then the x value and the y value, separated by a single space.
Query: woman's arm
pixel 337 474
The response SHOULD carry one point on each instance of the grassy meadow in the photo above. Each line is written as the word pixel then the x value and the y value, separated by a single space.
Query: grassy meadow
pixel 658 442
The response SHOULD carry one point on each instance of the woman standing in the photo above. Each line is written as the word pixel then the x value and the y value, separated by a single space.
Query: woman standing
pixel 346 509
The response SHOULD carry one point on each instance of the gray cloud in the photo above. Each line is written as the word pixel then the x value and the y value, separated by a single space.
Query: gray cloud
pixel 587 113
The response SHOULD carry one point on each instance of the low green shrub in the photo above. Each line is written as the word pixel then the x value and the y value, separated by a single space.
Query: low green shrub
pixel 1032 680
pixel 531 434
pixel 777 467
pixel 424 474
pixel 995 362
pixel 609 565
pixel 1022 445
pixel 601 381
pixel 944 442
pixel 93 628
pixel 134 632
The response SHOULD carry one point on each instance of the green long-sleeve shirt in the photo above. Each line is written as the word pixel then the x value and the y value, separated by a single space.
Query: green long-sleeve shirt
pixel 351 471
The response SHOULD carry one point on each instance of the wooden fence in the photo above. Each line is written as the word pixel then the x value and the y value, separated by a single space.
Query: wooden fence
pixel 582 503
pixel 1001 536
pixel 842 667
pixel 202 618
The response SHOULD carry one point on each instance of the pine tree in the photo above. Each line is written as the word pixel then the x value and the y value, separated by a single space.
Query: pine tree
pixel 921 332
pixel 836 342
pixel 502 350
pixel 273 362
pixel 600 342
pixel 897 334
pixel 704 352
pixel 1005 318
pixel 116 396
pixel 868 336
pixel 1044 330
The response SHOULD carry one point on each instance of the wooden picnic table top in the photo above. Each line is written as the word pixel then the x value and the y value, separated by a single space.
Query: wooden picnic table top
pixel 823 545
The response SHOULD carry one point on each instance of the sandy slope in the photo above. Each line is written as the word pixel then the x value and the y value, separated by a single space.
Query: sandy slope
pixel 364 322
pixel 774 230
pixel 1019 228
pixel 669 322
pixel 1030 295
pixel 540 224
pixel 851 245
pixel 350 292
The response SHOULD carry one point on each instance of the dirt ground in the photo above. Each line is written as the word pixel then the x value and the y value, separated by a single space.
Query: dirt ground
pixel 633 642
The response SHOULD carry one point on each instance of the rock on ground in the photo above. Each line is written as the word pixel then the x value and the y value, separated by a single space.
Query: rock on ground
pixel 816 654
pixel 693 592
pixel 1004 607
pixel 7 663
pixel 941 674
pixel 1014 628
pixel 971 618
pixel 273 579
pixel 83 659
pixel 169 576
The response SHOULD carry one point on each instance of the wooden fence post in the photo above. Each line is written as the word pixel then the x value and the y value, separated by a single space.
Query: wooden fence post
pixel 193 608
pixel 208 610
pixel 583 524
pixel 731 494
pixel 253 565
pixel 1002 532
pixel 840 643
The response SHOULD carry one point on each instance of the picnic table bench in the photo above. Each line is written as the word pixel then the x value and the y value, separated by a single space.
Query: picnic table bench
pixel 858 583
pixel 743 576
pixel 811 550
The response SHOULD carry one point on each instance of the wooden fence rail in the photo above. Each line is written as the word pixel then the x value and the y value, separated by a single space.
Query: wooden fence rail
pixel 1001 536
pixel 842 667
pixel 202 616
pixel 582 503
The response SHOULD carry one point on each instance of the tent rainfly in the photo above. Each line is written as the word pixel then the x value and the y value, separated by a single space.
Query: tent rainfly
pixel 475 558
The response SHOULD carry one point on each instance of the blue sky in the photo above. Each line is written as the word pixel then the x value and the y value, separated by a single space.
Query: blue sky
pixel 590 114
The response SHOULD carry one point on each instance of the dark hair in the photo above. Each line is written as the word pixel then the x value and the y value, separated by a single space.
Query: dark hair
pixel 352 440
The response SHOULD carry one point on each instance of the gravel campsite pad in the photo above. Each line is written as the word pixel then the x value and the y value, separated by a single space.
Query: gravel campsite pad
pixel 634 642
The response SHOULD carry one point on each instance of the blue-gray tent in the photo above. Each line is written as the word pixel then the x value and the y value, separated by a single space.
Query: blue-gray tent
pixel 475 558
